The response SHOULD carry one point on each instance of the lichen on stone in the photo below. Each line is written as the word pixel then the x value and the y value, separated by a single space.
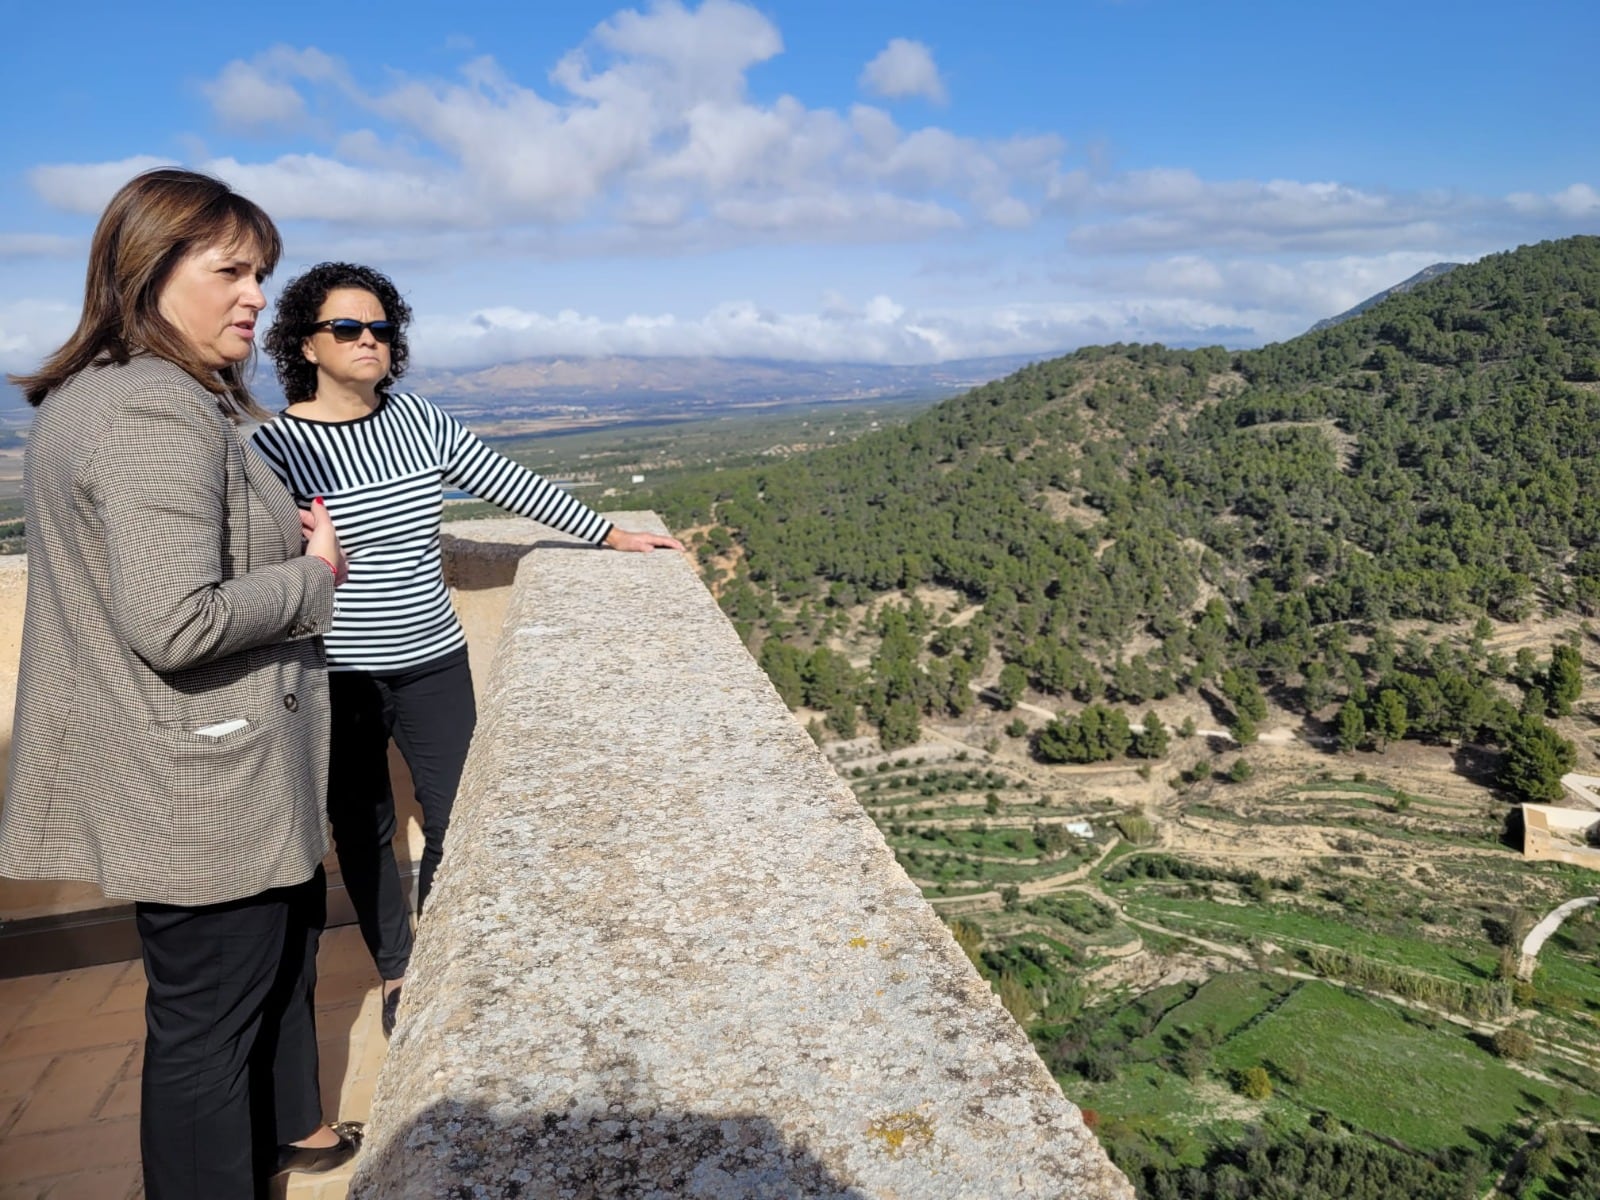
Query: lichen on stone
pixel 901 1131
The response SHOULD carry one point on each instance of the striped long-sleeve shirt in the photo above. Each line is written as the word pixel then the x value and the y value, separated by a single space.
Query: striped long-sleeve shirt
pixel 383 478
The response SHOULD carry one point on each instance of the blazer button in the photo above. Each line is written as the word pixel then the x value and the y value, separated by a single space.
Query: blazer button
pixel 290 702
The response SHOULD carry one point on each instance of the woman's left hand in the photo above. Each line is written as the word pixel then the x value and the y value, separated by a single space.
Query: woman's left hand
pixel 642 543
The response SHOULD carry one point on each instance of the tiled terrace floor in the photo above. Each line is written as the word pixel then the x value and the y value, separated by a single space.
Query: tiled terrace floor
pixel 70 1050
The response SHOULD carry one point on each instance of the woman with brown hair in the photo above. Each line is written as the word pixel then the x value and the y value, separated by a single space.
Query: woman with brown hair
pixel 172 716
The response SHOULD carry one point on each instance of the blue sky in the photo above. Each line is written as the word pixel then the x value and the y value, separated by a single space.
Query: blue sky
pixel 878 181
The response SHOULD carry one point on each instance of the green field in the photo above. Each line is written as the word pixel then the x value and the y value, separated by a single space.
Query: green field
pixel 1291 926
pixel 1372 1066
pixel 1378 1067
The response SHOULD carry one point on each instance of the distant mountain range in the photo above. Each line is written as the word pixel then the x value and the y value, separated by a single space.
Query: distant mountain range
pixel 664 386
pixel 689 385
pixel 1399 289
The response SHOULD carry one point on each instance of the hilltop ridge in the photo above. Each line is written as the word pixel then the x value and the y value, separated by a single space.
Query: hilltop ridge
pixel 1434 271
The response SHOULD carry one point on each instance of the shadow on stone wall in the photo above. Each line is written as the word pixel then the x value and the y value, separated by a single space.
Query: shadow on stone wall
pixel 470 1151
pixel 486 565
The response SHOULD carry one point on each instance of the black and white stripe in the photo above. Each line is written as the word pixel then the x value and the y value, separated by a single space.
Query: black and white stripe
pixel 383 478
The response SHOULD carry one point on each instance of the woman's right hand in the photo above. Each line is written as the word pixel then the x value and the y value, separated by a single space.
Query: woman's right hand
pixel 322 540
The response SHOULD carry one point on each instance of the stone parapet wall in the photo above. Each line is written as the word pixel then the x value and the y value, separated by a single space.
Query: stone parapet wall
pixel 669 955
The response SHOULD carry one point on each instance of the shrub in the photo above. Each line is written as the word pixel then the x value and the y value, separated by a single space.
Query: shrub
pixel 1098 1066
pixel 1255 1083
pixel 1514 1044
pixel 1016 999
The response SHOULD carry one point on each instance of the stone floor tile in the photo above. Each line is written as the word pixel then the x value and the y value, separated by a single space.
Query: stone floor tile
pixel 113 1184
pixel 80 1033
pixel 128 991
pixel 74 994
pixel 335 1187
pixel 356 1098
pixel 72 1089
pixel 122 1101
pixel 18 1076
pixel 17 996
pixel 93 1147
pixel 23 990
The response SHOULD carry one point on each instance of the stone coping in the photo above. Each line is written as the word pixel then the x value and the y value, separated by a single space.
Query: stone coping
pixel 669 955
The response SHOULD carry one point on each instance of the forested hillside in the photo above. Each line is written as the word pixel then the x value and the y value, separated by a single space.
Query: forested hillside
pixel 1272 967
pixel 1132 521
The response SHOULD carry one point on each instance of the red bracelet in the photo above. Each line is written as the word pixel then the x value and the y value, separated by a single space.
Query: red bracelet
pixel 331 567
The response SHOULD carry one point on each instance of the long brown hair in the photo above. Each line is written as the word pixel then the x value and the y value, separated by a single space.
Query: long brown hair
pixel 150 225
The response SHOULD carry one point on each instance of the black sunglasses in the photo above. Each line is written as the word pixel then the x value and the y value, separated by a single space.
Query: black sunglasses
pixel 348 329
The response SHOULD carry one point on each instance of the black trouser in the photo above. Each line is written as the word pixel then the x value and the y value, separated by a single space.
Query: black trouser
pixel 430 712
pixel 230 1052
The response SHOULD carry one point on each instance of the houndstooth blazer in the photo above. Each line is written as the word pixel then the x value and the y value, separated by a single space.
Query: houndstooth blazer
pixel 167 592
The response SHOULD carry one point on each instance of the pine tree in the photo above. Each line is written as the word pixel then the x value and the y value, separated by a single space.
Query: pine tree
pixel 1536 757
pixel 1151 740
pixel 1564 680
pixel 1352 726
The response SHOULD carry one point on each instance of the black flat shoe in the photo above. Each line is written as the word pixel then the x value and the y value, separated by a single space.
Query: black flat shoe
pixel 314 1160
pixel 391 1010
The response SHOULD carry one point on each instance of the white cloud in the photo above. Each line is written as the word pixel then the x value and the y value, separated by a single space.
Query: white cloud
pixel 1578 200
pixel 705 52
pixel 904 68
pixel 39 245
pixel 263 93
pixel 1282 298
pixel 31 329
pixel 1175 210
pixel 879 213
pixel 86 187
pixel 1009 213
pixel 308 187
pixel 883 311
pixel 244 96
pixel 648 125
pixel 880 331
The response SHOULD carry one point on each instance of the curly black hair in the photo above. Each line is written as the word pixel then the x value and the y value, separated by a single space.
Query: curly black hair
pixel 298 306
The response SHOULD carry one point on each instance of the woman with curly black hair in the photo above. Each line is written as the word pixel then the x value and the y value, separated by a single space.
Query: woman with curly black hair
pixel 397 655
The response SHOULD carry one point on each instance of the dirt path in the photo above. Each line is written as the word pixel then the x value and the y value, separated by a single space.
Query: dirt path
pixel 1033 887
pixel 988 693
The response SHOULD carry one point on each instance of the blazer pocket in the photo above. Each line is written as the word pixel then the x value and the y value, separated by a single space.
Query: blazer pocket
pixel 224 801
pixel 185 740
